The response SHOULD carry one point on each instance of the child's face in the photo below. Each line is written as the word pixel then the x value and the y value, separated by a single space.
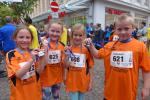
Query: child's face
pixel 23 39
pixel 124 29
pixel 77 37
pixel 55 31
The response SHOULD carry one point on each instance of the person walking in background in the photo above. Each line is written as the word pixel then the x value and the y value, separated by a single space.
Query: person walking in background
pixel 89 30
pixel 79 65
pixel 6 41
pixel 35 42
pixel 142 32
pixel 148 39
pixel 122 60
pixel 98 38
pixel 23 68
pixel 63 37
pixel 6 33
pixel 108 32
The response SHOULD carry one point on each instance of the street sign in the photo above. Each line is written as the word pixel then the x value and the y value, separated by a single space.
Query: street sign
pixel 54 6
pixel 55 15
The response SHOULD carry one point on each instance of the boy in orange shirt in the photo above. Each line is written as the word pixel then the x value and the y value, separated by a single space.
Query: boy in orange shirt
pixel 122 60
pixel 52 76
pixel 22 73
pixel 79 65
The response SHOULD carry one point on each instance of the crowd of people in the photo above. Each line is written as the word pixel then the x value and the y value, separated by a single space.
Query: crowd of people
pixel 101 37
pixel 38 62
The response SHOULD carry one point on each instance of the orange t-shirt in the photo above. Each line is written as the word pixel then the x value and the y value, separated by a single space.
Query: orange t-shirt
pixel 26 88
pixel 121 83
pixel 53 72
pixel 77 78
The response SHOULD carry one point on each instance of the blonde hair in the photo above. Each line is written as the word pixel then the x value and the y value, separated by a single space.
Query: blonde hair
pixel 78 27
pixel 20 28
pixel 125 17
pixel 50 24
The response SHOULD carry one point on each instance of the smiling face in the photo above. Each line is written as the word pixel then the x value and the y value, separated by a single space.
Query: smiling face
pixel 77 37
pixel 124 30
pixel 124 27
pixel 78 34
pixel 55 31
pixel 23 39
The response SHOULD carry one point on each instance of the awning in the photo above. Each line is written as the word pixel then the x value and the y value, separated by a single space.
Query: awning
pixel 10 0
pixel 74 5
pixel 70 6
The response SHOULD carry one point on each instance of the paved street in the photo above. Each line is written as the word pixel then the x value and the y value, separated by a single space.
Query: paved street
pixel 95 94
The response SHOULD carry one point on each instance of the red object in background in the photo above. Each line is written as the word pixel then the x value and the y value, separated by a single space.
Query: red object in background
pixel 62 14
pixel 114 11
pixel 49 18
pixel 54 6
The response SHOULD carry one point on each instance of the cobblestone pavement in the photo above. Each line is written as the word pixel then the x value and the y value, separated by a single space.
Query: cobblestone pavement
pixel 95 94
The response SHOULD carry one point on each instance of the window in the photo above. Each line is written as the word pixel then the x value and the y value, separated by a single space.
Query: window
pixel 147 3
pixel 139 1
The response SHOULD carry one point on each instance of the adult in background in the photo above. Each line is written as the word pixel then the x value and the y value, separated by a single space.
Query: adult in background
pixel 142 32
pixel 98 36
pixel 6 41
pixel 63 37
pixel 35 42
pixel 89 30
pixel 108 32
pixel 148 38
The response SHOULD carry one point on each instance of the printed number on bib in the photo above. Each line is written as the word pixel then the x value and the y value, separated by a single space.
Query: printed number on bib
pixel 78 60
pixel 122 59
pixel 31 71
pixel 54 57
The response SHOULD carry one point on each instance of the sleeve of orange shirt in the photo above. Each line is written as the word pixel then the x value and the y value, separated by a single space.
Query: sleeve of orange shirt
pixel 144 59
pixel 11 66
pixel 105 50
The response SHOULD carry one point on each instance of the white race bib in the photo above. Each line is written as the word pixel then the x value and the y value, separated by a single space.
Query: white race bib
pixel 54 57
pixel 28 74
pixel 78 60
pixel 122 59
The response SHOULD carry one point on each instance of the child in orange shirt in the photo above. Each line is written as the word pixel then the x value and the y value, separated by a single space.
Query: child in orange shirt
pixel 79 65
pixel 122 60
pixel 22 73
pixel 52 76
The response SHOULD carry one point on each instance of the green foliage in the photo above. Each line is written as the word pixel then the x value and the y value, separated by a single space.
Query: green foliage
pixel 16 9
pixel 24 8
pixel 5 10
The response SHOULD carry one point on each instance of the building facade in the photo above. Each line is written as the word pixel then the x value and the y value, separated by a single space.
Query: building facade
pixel 96 11
pixel 110 9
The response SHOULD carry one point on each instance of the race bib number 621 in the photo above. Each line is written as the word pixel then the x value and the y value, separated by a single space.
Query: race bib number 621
pixel 122 59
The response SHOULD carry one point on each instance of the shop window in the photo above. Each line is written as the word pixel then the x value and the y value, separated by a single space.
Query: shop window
pixel 139 1
pixel 78 19
pixel 140 18
pixel 112 14
pixel 147 3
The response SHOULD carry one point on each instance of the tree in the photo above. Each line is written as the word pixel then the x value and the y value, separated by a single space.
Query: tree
pixel 23 8
pixel 4 11
pixel 16 9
